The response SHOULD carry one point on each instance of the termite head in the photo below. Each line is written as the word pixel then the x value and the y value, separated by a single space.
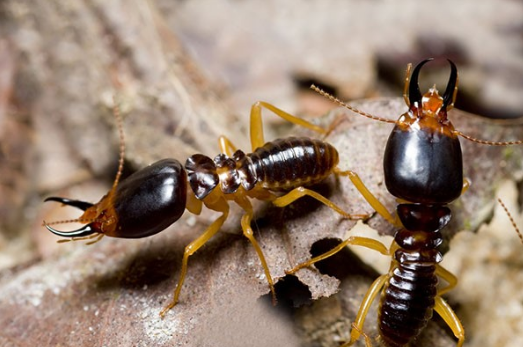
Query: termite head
pixel 85 231
pixel 143 204
pixel 423 160
pixel 431 103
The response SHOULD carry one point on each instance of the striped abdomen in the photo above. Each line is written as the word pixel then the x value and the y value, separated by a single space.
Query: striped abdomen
pixel 407 301
pixel 292 162
pixel 278 165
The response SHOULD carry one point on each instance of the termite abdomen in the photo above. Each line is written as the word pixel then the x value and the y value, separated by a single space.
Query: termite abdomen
pixel 287 163
pixel 407 302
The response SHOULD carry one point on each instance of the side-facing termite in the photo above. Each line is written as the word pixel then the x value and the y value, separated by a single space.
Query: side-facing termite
pixel 423 169
pixel 153 198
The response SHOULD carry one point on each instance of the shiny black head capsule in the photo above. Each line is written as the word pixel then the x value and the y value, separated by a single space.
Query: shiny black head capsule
pixel 423 160
pixel 143 204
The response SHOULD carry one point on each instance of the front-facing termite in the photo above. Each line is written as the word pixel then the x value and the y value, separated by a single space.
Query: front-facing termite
pixel 154 197
pixel 423 169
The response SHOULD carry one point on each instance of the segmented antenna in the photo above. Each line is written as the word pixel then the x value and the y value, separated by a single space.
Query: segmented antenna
pixel 511 219
pixel 368 115
pixel 353 109
pixel 119 125
pixel 485 142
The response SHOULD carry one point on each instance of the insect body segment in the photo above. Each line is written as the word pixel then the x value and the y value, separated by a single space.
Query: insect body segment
pixel 408 297
pixel 153 198
pixel 423 167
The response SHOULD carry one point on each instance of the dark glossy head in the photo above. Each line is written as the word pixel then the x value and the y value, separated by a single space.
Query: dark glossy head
pixel 143 204
pixel 423 160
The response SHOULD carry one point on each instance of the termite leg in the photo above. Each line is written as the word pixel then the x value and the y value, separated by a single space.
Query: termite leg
pixel 256 129
pixel 373 291
pixel 449 316
pixel 191 248
pixel 450 278
pixel 368 342
pixel 369 298
pixel 300 192
pixel 193 204
pixel 371 199
pixel 352 240
pixel 466 186
pixel 226 146
pixel 249 234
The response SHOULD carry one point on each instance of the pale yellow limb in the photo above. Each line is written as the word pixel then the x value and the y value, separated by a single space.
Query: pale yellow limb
pixel 300 192
pixel 256 128
pixel 449 316
pixel 371 199
pixel 193 204
pixel 371 293
pixel 352 240
pixel 226 146
pixel 369 298
pixel 191 248
pixel 466 186
pixel 249 234
pixel 448 277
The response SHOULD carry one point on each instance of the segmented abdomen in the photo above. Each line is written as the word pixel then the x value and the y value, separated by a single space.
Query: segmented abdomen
pixel 287 163
pixel 407 301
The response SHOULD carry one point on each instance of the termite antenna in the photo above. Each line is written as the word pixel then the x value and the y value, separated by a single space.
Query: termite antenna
pixel 119 125
pixel 511 219
pixel 353 109
pixel 485 142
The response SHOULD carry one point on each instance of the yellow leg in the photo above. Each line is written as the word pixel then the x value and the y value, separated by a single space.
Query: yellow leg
pixel 257 139
pixel 466 186
pixel 371 199
pixel 352 240
pixel 357 329
pixel 448 277
pixel 374 289
pixel 226 145
pixel 368 341
pixel 249 234
pixel 190 250
pixel 299 192
pixel 193 204
pixel 448 315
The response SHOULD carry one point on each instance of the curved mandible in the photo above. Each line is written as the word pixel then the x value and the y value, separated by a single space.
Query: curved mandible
pixel 82 205
pixel 414 92
pixel 86 230
pixel 451 85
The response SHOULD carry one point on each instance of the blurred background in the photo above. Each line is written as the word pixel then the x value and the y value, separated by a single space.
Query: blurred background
pixel 185 72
